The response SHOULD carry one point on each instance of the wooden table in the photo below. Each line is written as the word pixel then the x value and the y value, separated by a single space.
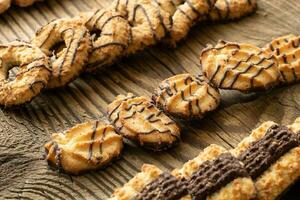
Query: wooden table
pixel 23 172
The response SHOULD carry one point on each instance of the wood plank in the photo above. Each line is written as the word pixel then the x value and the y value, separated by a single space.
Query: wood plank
pixel 25 175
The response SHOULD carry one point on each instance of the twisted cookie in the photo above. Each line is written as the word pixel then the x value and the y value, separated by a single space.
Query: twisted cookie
pixel 84 147
pixel 286 49
pixel 216 174
pixel 186 96
pixel 68 42
pixel 137 119
pixel 32 76
pixel 242 67
pixel 271 155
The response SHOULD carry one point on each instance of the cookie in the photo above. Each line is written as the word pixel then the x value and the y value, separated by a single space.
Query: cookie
pixel 24 3
pixel 216 174
pixel 84 147
pixel 137 119
pixel 149 23
pixel 32 75
pixel 111 35
pixel 4 5
pixel 151 184
pixel 242 67
pixel 186 96
pixel 271 155
pixel 295 127
pixel 69 44
pixel 286 49
pixel 224 10
pixel 184 18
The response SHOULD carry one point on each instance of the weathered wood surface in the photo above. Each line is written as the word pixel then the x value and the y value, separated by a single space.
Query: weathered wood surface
pixel 25 175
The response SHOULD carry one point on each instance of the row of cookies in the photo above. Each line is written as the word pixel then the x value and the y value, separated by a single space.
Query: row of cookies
pixel 5 4
pixel 248 68
pixel 262 166
pixel 93 40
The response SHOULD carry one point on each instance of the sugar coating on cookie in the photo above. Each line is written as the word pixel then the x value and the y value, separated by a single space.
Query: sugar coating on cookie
pixel 68 44
pixel 286 49
pixel 137 119
pixel 32 75
pixel 231 9
pixel 271 155
pixel 186 96
pixel 84 147
pixel 111 35
pixel 242 67
pixel 216 174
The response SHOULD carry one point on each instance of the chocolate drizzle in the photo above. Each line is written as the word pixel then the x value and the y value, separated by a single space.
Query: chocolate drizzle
pixel 277 141
pixel 213 175
pixel 164 187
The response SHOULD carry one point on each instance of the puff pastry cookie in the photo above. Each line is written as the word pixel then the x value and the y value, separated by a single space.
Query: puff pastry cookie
pixel 242 67
pixel 69 44
pixel 137 119
pixel 271 155
pixel 151 184
pixel 32 75
pixel 216 174
pixel 87 146
pixel 286 49
pixel 186 96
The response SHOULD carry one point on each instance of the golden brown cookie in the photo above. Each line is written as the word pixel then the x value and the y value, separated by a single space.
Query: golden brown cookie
pixel 137 119
pixel 149 23
pixel 4 5
pixel 215 174
pixel 151 184
pixel 24 3
pixel 242 67
pixel 286 49
pixel 185 16
pixel 69 44
pixel 231 9
pixel 111 35
pixel 84 147
pixel 271 155
pixel 32 75
pixel 186 96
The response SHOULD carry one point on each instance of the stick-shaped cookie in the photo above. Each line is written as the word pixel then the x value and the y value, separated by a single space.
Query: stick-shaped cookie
pixel 151 184
pixel 271 155
pixel 242 67
pixel 137 119
pixel 286 49
pixel 216 174
pixel 87 146
pixel 186 96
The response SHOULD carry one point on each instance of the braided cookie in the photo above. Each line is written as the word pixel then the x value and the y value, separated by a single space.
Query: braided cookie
pixel 186 96
pixel 151 184
pixel 215 174
pixel 87 146
pixel 271 155
pixel 185 16
pixel 4 5
pixel 231 9
pixel 242 67
pixel 32 76
pixel 149 23
pixel 111 35
pixel 137 119
pixel 68 42
pixel 287 51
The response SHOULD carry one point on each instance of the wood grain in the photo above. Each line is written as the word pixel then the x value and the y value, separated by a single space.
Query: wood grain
pixel 23 131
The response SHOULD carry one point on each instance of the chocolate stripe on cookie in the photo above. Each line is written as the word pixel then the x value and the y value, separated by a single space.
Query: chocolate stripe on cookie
pixel 164 187
pixel 213 175
pixel 263 153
